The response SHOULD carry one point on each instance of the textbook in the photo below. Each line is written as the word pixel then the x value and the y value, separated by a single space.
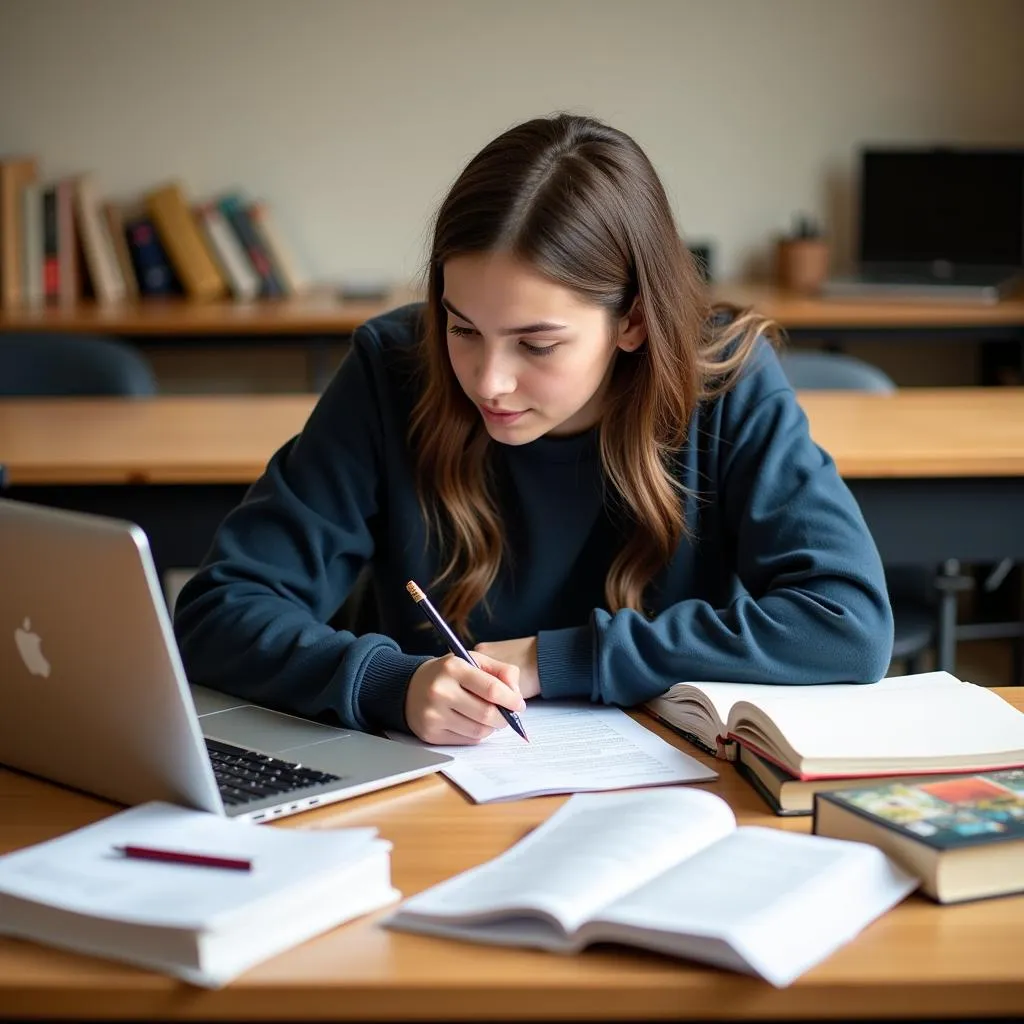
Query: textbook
pixel 667 870
pixel 962 837
pixel 902 725
pixel 205 924
pixel 787 795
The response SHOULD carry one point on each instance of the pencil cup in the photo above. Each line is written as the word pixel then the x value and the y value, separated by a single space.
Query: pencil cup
pixel 801 264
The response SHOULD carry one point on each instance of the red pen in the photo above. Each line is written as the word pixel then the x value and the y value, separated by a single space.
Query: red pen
pixel 202 860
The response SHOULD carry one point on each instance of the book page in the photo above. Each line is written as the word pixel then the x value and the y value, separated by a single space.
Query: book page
pixel 690 696
pixel 573 748
pixel 783 901
pixel 586 855
pixel 899 724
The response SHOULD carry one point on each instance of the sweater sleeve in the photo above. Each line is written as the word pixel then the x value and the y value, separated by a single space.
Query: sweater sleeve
pixel 253 621
pixel 813 606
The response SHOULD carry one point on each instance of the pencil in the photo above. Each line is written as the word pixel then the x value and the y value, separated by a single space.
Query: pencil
pixel 455 645
pixel 203 860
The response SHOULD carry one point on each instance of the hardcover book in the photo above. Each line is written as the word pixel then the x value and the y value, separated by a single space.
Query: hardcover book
pixel 962 837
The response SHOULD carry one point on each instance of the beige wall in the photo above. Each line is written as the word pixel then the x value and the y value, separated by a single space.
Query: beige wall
pixel 352 116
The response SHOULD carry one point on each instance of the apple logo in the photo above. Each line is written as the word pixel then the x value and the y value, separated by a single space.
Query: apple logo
pixel 31 653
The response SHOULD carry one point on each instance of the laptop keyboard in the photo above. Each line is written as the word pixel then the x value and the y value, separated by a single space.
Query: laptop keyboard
pixel 243 775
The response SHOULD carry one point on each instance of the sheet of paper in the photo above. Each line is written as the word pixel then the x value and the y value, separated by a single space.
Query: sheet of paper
pixel 573 748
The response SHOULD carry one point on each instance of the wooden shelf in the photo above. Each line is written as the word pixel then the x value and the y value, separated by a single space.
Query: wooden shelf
pixel 322 312
pixel 318 312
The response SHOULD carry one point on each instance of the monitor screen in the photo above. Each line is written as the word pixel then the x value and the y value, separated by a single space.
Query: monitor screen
pixel 957 205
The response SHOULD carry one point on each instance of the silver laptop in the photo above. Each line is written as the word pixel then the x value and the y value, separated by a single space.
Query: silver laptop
pixel 93 694
pixel 944 223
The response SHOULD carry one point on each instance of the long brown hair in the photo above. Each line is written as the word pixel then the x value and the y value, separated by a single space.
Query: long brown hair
pixel 580 203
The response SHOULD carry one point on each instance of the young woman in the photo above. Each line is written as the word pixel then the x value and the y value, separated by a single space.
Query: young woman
pixel 605 483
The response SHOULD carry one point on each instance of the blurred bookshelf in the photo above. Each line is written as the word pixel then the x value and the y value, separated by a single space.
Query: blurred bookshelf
pixel 64 244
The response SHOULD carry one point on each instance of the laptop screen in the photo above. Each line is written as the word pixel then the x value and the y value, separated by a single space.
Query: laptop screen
pixel 956 205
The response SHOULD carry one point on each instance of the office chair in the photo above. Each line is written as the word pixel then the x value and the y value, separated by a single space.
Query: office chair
pixel 51 365
pixel 912 589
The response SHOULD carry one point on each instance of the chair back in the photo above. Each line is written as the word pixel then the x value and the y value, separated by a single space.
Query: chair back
pixel 50 365
pixel 833 371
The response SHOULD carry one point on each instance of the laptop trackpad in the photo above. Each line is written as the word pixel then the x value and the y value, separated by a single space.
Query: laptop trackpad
pixel 269 731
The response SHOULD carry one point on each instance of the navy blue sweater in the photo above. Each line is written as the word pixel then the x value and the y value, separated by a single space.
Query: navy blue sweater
pixel 779 581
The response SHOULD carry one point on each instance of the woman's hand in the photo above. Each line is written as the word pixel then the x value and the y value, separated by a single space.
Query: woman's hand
pixel 522 653
pixel 450 701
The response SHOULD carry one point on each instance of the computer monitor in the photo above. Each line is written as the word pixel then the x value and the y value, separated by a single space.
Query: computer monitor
pixel 956 206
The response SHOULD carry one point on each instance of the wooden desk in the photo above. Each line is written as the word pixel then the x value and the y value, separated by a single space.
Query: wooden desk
pixel 938 473
pixel 320 319
pixel 918 961
pixel 812 312
pixel 919 432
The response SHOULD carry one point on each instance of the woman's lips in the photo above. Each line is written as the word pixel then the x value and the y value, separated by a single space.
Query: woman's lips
pixel 500 415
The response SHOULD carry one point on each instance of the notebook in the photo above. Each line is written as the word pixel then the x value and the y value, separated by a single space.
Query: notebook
pixel 939 223
pixel 667 870
pixel 94 694
pixel 928 722
pixel 203 924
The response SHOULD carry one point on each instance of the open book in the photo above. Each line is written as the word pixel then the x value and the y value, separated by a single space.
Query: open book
pixel 667 870
pixel 203 924
pixel 930 722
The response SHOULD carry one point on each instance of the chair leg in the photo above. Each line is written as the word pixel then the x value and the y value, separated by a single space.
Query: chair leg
pixel 949 582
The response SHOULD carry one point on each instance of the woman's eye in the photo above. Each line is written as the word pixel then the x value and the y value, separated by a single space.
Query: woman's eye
pixel 460 332
pixel 538 350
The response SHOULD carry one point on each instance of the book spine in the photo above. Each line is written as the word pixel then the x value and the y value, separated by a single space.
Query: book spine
pixel 97 247
pixel 67 244
pixel 32 244
pixel 242 279
pixel 187 251
pixel 51 262
pixel 765 793
pixel 14 175
pixel 241 223
pixel 115 228
pixel 281 257
pixel 152 268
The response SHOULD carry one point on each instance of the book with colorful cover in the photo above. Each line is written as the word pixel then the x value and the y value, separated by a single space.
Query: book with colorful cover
pixel 962 836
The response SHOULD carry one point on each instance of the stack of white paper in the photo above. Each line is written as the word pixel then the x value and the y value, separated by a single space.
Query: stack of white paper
pixel 204 924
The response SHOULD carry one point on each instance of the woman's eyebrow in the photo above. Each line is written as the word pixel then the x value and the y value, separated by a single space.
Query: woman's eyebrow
pixel 539 328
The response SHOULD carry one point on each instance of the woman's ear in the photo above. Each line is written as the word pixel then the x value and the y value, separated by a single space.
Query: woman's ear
pixel 632 328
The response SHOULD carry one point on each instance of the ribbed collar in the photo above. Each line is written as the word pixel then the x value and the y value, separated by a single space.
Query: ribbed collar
pixel 577 448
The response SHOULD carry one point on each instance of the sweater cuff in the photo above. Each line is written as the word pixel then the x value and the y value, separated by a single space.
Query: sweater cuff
pixel 565 663
pixel 381 697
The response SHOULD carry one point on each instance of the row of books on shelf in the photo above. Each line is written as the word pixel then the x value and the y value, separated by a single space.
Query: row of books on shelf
pixel 62 241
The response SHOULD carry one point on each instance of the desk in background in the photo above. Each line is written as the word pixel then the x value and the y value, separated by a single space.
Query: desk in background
pixel 919 961
pixel 939 474
pixel 319 321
